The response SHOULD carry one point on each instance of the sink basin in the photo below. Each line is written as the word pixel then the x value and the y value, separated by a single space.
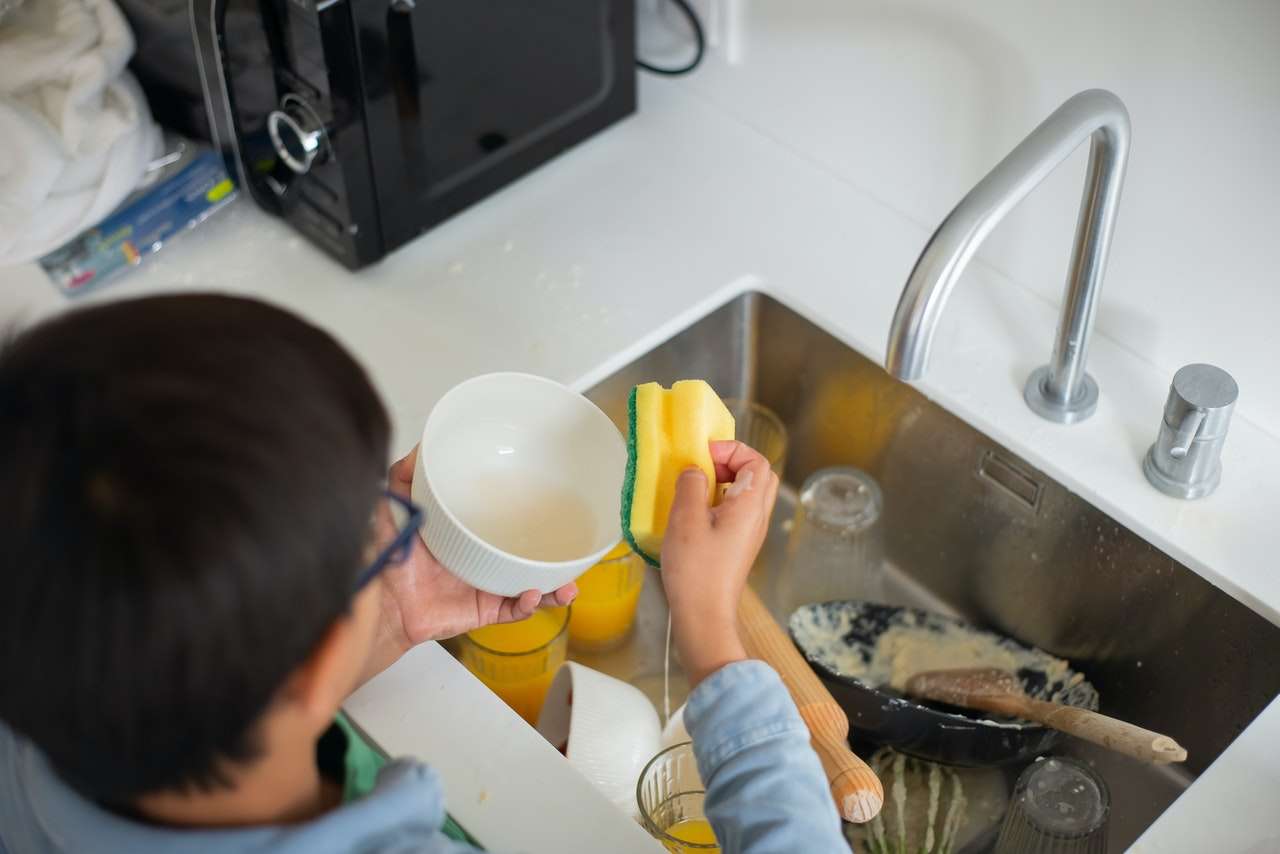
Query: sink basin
pixel 974 531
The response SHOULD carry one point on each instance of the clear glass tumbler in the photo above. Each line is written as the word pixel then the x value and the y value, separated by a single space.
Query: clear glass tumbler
pixel 670 795
pixel 1059 806
pixel 760 427
pixel 835 550
pixel 518 660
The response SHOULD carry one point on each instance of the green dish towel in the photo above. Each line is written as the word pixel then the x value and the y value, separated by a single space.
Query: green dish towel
pixel 362 762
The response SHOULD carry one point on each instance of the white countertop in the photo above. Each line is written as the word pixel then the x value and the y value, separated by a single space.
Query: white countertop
pixel 815 169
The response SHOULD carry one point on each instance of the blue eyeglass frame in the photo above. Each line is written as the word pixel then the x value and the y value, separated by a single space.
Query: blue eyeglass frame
pixel 398 549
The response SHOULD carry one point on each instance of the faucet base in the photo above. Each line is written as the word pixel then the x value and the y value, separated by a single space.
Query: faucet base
pixel 1175 487
pixel 1077 409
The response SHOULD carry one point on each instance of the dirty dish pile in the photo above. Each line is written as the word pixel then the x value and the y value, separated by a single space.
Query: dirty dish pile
pixel 864 652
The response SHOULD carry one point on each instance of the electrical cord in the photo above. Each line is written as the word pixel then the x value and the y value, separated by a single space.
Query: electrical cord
pixel 699 38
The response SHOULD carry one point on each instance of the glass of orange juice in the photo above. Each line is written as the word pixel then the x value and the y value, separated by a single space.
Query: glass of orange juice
pixel 608 594
pixel 670 795
pixel 518 660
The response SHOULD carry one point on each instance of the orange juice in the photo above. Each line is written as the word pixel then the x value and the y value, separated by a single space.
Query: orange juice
pixel 518 660
pixel 693 830
pixel 607 597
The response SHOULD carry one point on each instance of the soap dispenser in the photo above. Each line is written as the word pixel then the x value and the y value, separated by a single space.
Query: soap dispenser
pixel 1185 460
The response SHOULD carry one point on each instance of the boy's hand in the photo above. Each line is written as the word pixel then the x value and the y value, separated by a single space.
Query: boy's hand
pixel 423 601
pixel 707 553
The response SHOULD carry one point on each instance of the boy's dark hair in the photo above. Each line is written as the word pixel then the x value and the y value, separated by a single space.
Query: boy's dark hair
pixel 186 486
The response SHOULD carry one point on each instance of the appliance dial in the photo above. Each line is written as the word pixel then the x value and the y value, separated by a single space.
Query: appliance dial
pixel 297 134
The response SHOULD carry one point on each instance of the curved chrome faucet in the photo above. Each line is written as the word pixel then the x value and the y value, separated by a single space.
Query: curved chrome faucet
pixel 1060 391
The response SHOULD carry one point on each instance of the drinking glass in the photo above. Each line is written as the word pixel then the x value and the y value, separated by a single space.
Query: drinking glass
pixel 760 427
pixel 518 660
pixel 1059 806
pixel 835 550
pixel 608 593
pixel 670 795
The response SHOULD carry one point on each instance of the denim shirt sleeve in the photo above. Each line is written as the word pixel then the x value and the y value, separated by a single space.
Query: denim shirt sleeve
pixel 766 790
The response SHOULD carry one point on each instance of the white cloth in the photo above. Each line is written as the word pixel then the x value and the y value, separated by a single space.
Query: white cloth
pixel 76 134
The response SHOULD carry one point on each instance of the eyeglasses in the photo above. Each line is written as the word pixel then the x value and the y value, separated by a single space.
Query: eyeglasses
pixel 406 518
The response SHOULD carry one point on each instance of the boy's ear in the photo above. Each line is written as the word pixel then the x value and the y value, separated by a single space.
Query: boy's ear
pixel 319 684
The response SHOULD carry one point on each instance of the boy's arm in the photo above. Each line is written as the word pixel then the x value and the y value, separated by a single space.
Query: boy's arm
pixel 766 790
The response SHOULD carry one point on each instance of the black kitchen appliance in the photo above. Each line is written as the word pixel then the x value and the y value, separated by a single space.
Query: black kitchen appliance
pixel 365 122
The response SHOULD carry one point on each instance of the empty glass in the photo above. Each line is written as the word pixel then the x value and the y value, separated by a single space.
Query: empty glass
pixel 835 549
pixel 670 794
pixel 760 427
pixel 1060 806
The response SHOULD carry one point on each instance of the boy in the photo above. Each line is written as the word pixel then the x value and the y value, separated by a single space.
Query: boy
pixel 200 563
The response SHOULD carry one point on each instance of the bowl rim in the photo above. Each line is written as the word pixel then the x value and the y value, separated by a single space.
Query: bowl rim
pixel 570 393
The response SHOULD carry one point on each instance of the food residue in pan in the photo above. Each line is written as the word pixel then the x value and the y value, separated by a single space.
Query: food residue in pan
pixel 915 642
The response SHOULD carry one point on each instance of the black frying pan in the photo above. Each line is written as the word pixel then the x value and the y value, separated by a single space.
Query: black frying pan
pixel 933 731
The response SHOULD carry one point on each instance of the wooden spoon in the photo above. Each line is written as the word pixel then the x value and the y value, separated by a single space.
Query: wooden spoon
pixel 854 786
pixel 999 691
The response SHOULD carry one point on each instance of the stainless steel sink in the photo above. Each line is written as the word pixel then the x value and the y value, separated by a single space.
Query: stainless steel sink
pixel 973 530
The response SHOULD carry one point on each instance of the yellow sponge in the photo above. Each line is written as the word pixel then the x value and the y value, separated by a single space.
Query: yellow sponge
pixel 670 430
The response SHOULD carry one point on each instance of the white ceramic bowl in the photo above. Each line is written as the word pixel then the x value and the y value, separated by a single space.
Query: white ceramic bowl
pixel 520 479
pixel 610 729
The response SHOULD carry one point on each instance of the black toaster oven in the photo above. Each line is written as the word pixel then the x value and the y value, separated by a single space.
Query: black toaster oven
pixel 364 123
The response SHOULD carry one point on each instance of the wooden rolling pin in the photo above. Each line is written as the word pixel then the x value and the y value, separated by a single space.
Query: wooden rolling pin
pixel 855 787
pixel 993 690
